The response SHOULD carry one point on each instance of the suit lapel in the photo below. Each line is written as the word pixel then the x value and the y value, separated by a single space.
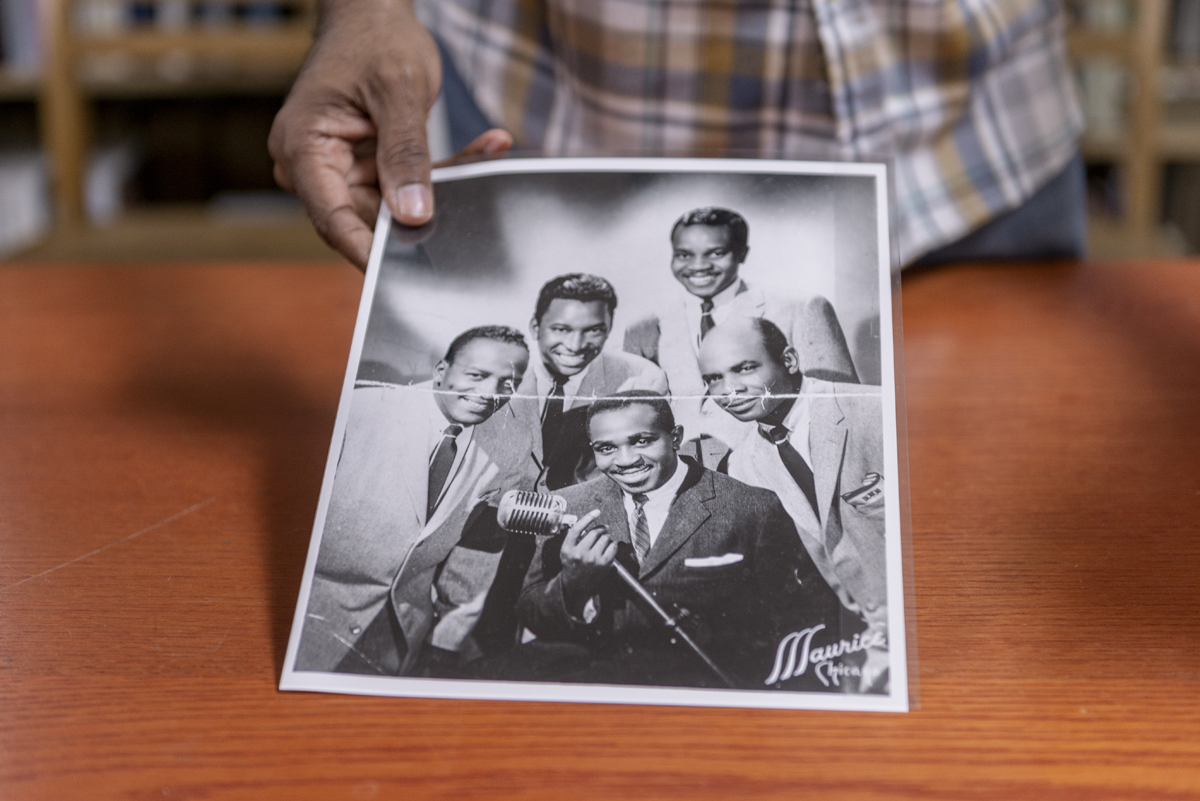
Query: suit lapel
pixel 747 302
pixel 596 380
pixel 414 468
pixel 827 442
pixel 609 500
pixel 773 474
pixel 524 405
pixel 688 513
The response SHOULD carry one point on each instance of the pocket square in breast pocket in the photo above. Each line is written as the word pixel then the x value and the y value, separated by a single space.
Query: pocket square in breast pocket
pixel 870 493
pixel 713 561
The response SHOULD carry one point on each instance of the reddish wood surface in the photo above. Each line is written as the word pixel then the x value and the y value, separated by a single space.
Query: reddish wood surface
pixel 162 437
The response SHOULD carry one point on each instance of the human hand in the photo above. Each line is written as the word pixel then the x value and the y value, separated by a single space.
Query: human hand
pixel 352 130
pixel 587 553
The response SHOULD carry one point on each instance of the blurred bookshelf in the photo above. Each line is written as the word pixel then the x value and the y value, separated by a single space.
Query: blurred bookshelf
pixel 165 105
pixel 1138 64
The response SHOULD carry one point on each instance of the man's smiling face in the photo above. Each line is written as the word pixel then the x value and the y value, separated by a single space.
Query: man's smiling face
pixel 632 448
pixel 571 334
pixel 480 380
pixel 703 259
pixel 740 374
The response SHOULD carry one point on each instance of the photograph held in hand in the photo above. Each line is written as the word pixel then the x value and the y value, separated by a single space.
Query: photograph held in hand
pixel 619 431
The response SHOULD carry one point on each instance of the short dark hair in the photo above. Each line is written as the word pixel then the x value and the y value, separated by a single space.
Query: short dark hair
pixel 575 286
pixel 496 333
pixel 635 397
pixel 774 341
pixel 739 231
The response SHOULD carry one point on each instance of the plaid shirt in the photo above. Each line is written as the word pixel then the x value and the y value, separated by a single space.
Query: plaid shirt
pixel 971 99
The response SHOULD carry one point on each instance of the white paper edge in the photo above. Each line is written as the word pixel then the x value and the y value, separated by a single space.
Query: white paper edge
pixel 405 687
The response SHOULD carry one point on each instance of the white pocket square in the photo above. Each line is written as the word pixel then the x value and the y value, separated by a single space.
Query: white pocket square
pixel 713 561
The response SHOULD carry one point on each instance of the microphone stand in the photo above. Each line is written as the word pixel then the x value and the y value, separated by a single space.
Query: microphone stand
pixel 671 623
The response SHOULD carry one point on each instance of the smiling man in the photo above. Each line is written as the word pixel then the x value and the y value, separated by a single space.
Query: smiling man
pixel 819 447
pixel 697 540
pixel 569 368
pixel 708 247
pixel 421 470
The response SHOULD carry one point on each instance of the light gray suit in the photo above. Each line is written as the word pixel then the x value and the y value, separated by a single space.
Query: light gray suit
pixel 846 448
pixel 371 607
pixel 808 321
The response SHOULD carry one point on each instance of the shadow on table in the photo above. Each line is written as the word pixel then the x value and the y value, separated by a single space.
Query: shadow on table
pixel 240 384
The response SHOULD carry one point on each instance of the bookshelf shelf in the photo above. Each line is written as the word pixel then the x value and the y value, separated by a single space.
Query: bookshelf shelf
pixel 96 53
pixel 1180 141
pixel 15 86
pixel 1085 43
pixel 1105 149
pixel 279 48
pixel 1134 138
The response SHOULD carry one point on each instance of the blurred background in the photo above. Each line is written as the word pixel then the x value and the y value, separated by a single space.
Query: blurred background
pixel 136 129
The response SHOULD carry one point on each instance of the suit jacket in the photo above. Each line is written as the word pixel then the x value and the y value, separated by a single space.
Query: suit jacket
pixel 572 460
pixel 846 447
pixel 809 322
pixel 370 608
pixel 727 553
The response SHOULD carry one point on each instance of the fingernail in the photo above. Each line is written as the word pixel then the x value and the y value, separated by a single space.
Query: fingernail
pixel 494 146
pixel 414 203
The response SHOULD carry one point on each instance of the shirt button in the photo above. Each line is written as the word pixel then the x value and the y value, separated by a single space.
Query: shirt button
pixel 355 629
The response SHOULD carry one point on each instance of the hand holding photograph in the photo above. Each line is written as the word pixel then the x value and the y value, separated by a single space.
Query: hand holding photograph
pixel 619 430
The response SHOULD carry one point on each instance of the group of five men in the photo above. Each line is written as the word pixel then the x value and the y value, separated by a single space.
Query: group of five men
pixel 727 458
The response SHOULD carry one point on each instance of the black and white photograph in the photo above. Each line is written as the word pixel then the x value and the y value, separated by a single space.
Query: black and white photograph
pixel 624 431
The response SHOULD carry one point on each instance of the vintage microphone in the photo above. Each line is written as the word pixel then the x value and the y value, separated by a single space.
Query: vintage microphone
pixel 542 514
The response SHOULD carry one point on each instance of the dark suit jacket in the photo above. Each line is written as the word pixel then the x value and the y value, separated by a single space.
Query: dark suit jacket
pixel 739 607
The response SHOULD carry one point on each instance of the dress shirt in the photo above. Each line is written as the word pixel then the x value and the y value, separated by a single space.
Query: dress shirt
pixel 974 103
pixel 722 308
pixel 545 382
pixel 658 503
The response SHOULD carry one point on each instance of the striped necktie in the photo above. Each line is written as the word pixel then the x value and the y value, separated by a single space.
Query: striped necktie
pixel 706 318
pixel 641 528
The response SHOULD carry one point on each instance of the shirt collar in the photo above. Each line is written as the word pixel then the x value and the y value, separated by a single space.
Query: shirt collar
pixel 437 420
pixel 546 381
pixel 669 490
pixel 798 415
pixel 723 298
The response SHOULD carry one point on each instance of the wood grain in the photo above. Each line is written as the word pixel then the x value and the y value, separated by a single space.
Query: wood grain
pixel 163 434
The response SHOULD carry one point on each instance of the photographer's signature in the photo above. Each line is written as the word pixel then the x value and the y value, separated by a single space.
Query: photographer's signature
pixel 795 653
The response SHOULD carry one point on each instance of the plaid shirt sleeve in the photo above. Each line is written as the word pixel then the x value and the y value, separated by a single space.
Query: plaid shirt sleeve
pixel 972 100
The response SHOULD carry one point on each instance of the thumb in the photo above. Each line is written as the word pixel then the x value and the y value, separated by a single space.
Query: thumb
pixel 402 153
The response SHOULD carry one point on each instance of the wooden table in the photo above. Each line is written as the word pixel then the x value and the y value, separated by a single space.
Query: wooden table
pixel 162 437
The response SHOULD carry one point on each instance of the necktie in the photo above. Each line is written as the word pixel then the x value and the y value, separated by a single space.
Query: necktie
pixel 798 468
pixel 706 318
pixel 440 464
pixel 641 528
pixel 552 418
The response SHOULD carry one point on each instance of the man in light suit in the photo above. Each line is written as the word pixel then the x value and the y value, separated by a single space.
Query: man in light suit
pixel 568 369
pixel 819 447
pixel 421 469
pixel 709 246
pixel 695 539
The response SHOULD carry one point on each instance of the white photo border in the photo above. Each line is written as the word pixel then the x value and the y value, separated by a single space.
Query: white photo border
pixel 898 698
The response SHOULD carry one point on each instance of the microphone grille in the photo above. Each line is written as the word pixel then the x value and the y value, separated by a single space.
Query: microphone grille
pixel 530 512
